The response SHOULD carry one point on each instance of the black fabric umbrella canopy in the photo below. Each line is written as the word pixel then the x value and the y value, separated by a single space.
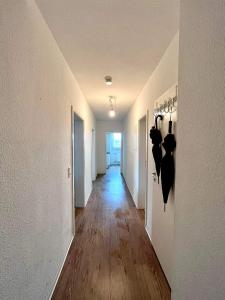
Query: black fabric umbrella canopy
pixel 156 137
pixel 167 164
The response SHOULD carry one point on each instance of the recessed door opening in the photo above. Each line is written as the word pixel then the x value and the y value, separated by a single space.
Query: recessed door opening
pixel 142 168
pixel 113 149
pixel 93 156
pixel 78 161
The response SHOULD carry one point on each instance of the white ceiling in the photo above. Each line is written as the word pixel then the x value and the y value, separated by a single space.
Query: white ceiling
pixel 121 38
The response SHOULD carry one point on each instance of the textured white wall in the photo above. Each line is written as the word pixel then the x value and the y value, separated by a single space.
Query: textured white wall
pixel 102 127
pixel 37 90
pixel 164 77
pixel 200 190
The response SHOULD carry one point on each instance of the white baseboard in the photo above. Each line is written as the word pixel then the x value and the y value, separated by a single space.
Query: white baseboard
pixel 57 278
pixel 146 229
pixel 133 200
pixel 129 191
pixel 88 197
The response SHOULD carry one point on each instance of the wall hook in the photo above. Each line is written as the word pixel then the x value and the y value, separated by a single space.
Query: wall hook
pixel 156 120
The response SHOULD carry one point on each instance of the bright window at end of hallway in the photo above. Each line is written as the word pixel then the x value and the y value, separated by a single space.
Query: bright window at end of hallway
pixel 116 140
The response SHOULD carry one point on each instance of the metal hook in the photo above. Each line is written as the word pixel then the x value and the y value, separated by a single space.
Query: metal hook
pixel 166 105
pixel 156 119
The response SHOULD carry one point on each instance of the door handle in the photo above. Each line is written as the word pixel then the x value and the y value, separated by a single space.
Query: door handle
pixel 69 172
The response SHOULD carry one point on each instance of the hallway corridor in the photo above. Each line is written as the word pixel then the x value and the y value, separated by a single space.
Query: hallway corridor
pixel 111 256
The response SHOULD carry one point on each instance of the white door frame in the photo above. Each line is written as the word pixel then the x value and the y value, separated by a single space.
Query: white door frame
pixel 93 155
pixel 75 116
pixel 121 154
pixel 121 148
pixel 79 162
pixel 146 116
pixel 146 192
pixel 72 167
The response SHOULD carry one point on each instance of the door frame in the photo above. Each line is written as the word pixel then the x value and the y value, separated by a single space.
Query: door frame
pixel 72 170
pixel 147 167
pixel 121 148
pixel 146 117
pixel 93 155
pixel 74 117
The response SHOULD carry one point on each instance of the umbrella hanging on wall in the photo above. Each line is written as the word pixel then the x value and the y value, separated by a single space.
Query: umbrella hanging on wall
pixel 167 164
pixel 156 137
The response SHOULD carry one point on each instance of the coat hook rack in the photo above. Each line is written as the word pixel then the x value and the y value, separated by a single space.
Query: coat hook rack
pixel 169 106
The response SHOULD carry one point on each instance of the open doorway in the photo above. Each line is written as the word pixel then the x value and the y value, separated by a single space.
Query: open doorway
pixel 142 168
pixel 93 156
pixel 78 161
pixel 113 149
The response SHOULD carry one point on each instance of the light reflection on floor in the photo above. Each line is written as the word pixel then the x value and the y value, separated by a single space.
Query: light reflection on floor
pixel 115 186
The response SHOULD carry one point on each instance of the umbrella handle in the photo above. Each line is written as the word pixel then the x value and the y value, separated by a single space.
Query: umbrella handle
pixel 156 118
pixel 170 126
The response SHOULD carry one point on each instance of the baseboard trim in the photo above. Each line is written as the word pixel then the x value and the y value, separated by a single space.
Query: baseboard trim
pixel 60 271
pixel 128 190
pixel 88 197
pixel 146 229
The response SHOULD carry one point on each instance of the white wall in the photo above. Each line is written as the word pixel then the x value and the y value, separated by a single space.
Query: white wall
pixel 36 94
pixel 163 78
pixel 102 127
pixel 200 190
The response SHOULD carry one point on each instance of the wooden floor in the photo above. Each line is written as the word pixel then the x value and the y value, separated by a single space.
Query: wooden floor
pixel 111 256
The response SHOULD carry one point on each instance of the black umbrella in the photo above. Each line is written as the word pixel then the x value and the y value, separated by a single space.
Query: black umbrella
pixel 156 137
pixel 167 164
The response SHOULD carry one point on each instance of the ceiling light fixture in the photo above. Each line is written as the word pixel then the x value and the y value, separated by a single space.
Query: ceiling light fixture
pixel 108 80
pixel 112 112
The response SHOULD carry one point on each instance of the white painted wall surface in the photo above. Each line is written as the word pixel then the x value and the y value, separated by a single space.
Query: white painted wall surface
pixel 200 190
pixel 102 127
pixel 36 94
pixel 164 77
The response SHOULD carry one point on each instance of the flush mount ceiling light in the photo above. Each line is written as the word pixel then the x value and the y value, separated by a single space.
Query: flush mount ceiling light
pixel 108 80
pixel 112 112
